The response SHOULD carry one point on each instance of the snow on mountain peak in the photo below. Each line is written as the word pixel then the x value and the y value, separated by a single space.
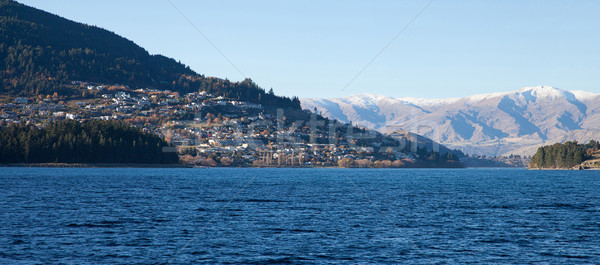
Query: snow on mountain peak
pixel 544 92
pixel 539 88
pixel 428 102
pixel 584 95
pixel 530 93
pixel 495 123
pixel 365 99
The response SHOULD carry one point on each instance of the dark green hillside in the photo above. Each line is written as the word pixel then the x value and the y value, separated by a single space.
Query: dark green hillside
pixel 40 53
pixel 87 142
pixel 566 155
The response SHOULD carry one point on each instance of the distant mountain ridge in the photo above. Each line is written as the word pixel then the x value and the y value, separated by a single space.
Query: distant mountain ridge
pixel 514 122
pixel 42 52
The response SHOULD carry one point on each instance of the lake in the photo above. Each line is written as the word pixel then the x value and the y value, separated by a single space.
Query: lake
pixel 298 216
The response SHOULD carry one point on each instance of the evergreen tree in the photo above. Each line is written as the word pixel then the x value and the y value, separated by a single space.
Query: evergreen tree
pixel 87 142
pixel 566 155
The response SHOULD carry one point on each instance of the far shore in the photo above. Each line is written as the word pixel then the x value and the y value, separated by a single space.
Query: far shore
pixel 134 165
pixel 95 165
pixel 573 169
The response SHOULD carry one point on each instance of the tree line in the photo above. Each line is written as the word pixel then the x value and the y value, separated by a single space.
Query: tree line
pixel 86 142
pixel 565 155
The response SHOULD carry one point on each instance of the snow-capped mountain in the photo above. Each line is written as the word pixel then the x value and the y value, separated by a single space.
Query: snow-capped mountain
pixel 493 124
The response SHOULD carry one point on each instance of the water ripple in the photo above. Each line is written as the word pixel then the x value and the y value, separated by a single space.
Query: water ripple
pixel 298 216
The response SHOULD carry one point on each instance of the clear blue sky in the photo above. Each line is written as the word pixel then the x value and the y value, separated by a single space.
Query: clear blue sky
pixel 314 48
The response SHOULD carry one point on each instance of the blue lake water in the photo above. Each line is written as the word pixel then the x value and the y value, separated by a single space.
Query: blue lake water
pixel 298 216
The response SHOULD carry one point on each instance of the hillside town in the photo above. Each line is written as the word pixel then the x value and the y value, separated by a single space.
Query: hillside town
pixel 208 130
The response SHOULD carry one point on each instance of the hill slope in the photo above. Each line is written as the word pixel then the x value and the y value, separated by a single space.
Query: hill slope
pixel 492 124
pixel 42 52
pixel 568 155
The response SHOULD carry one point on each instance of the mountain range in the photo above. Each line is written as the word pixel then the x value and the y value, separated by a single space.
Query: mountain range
pixel 516 122
pixel 44 53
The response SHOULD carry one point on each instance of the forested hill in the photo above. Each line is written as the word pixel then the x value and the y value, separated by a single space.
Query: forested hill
pixel 41 52
pixel 564 156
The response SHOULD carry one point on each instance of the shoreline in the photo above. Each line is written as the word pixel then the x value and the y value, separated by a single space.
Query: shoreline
pixel 94 165
pixel 133 165
pixel 565 169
